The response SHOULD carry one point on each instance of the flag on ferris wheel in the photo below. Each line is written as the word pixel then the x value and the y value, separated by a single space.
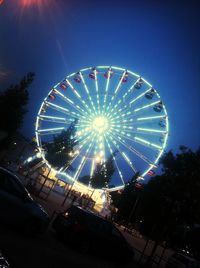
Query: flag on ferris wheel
pixel 151 172
pixel 138 185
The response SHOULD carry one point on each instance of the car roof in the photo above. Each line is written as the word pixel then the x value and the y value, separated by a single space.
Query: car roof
pixel 91 213
pixel 10 173
pixel 7 171
pixel 15 177
pixel 184 256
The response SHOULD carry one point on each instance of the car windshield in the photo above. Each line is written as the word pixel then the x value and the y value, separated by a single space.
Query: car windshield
pixel 87 217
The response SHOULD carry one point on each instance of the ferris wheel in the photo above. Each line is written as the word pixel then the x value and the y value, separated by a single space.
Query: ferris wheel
pixel 117 111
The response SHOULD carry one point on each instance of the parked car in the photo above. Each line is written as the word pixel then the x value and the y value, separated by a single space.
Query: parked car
pixel 17 207
pixel 179 260
pixel 3 261
pixel 89 232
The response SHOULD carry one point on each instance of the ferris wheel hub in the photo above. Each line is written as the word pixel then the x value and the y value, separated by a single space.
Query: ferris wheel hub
pixel 100 124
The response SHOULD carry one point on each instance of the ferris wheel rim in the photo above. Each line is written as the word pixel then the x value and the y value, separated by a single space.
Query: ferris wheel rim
pixel 38 137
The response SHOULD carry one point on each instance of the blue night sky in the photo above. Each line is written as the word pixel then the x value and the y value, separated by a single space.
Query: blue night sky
pixel 159 40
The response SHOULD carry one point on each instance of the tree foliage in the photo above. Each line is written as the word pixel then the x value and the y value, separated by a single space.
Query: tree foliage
pixel 126 200
pixel 103 173
pixel 13 103
pixel 60 152
pixel 171 202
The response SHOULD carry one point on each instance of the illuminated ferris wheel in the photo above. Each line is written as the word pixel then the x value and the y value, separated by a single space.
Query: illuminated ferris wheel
pixel 117 111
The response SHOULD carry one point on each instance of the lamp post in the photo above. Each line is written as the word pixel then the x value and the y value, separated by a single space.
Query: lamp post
pixel 133 210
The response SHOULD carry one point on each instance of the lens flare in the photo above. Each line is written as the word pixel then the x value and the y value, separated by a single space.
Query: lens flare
pixel 28 3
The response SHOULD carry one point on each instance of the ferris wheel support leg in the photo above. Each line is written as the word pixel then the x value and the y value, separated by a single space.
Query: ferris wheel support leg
pixel 68 193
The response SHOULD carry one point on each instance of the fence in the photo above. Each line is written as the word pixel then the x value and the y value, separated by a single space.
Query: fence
pixel 143 248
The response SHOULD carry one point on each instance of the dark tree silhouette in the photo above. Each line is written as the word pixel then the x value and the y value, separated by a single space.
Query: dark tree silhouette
pixel 170 203
pixel 125 201
pixel 60 152
pixel 12 107
pixel 103 173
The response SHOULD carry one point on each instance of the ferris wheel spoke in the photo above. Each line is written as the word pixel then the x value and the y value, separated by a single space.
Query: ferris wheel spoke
pixel 127 130
pixel 125 122
pixel 124 155
pixel 151 118
pixel 150 130
pixel 132 149
pixel 116 91
pixel 116 109
pixel 95 158
pixel 83 161
pixel 97 89
pixel 140 96
pixel 106 89
pixel 78 150
pixel 146 106
pixel 80 98
pixel 49 131
pixel 87 91
pixel 115 161
pixel 119 115
pixel 92 170
pixel 83 138
pixel 80 167
pixel 124 96
pixel 123 111
pixel 142 108
pixel 133 116
pixel 148 143
pixel 69 101
pixel 114 106
pixel 55 119
pixel 120 83
pixel 130 90
pixel 62 109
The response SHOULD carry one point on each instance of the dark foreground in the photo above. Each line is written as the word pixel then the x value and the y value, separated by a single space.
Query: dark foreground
pixel 47 252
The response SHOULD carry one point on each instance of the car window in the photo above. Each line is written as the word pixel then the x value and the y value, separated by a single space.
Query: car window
pixel 9 184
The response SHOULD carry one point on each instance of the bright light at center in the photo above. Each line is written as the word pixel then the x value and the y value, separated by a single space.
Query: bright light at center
pixel 100 121
pixel 100 124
